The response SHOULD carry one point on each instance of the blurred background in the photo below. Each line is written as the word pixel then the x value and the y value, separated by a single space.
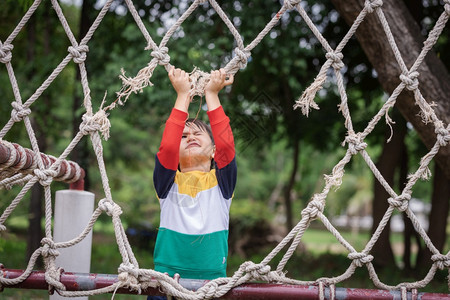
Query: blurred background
pixel 282 155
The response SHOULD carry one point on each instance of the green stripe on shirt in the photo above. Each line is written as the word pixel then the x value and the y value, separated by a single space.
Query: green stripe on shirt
pixel 192 256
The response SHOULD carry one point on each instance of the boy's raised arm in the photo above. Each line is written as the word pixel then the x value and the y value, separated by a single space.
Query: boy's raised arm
pixel 168 154
pixel 223 136
pixel 217 82
pixel 167 157
pixel 220 123
pixel 181 84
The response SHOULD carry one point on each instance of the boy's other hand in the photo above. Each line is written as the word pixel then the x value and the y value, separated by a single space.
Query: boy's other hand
pixel 180 81
pixel 218 80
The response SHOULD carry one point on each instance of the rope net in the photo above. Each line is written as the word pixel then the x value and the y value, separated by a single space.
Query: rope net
pixel 96 124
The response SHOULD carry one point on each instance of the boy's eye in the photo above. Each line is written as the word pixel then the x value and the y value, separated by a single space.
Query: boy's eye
pixel 183 136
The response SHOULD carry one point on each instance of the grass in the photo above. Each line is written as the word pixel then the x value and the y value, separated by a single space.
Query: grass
pixel 322 241
pixel 323 256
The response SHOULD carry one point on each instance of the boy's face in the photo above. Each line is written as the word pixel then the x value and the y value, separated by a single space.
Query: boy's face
pixel 196 148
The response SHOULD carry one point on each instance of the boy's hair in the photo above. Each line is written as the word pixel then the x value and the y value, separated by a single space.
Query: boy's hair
pixel 204 127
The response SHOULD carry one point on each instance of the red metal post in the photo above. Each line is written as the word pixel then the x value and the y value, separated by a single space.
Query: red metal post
pixel 79 184
pixel 248 291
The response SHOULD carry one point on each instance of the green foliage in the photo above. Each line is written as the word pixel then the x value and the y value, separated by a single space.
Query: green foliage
pixel 9 245
pixel 23 5
pixel 355 194
pixel 248 212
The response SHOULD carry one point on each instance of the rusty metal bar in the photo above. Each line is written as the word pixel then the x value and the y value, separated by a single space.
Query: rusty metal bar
pixel 29 165
pixel 252 291
pixel 79 184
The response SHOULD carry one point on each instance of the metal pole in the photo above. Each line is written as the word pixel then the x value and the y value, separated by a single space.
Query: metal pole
pixel 248 291
pixel 73 210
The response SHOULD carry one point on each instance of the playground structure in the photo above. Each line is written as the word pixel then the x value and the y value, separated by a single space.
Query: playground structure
pixel 16 168
pixel 258 291
pixel 22 162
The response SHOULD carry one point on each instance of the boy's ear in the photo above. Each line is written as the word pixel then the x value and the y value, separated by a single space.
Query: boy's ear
pixel 214 151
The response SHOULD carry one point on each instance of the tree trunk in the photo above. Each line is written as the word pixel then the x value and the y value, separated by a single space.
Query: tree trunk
pixel 34 235
pixel 409 229
pixel 415 7
pixel 275 195
pixel 434 78
pixel 43 112
pixel 80 153
pixel 388 162
pixel 409 232
pixel 290 186
pixel 438 216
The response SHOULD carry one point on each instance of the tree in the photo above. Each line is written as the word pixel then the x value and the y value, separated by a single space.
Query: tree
pixel 434 84
pixel 434 77
pixel 388 163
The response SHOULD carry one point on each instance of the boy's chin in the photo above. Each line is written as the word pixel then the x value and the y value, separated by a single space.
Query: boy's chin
pixel 195 152
pixel 194 160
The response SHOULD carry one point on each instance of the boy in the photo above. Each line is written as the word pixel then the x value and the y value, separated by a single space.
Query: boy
pixel 194 197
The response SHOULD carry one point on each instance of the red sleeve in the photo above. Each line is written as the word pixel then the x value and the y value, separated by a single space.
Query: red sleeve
pixel 223 137
pixel 169 149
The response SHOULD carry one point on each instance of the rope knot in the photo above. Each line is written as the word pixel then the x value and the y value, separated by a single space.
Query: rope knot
pixel 98 122
pixel 355 144
pixel 78 53
pixel 19 111
pixel 243 57
pixel 45 176
pixel 48 248
pixel 336 58
pixel 109 207
pixel 53 278
pixel 161 54
pixel 199 80
pixel 443 135
pixel 88 125
pixel 128 275
pixel 312 210
pixel 442 261
pixel 256 270
pixel 371 5
pixel 291 4
pixel 410 80
pixel 128 268
pixel 209 290
pixel 5 52
pixel 360 258
pixel 400 202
